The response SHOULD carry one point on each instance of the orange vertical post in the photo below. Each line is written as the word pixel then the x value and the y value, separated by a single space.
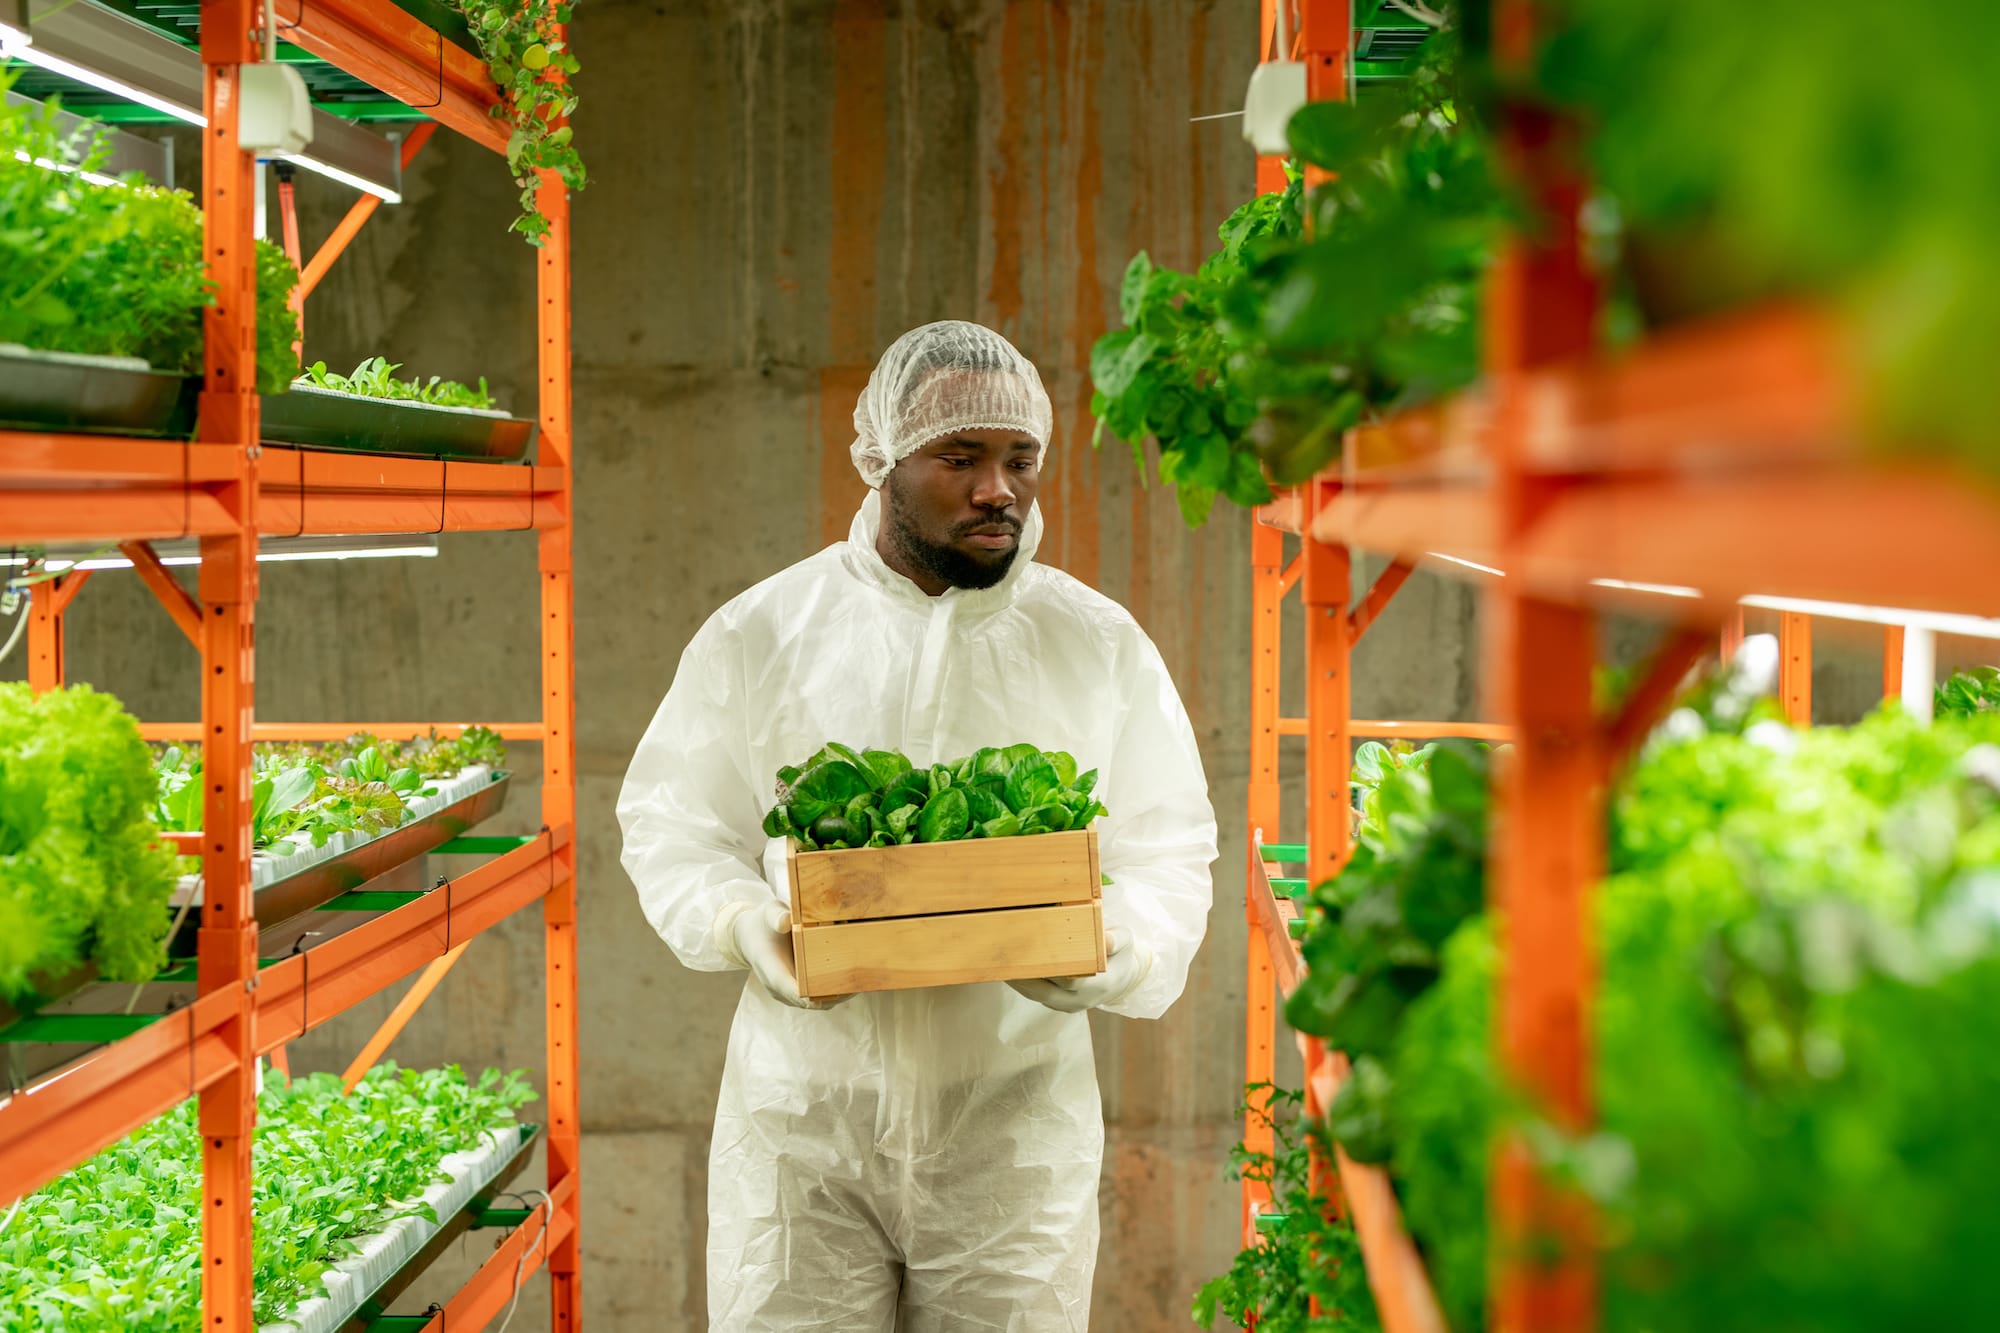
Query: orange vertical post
pixel 1547 850
pixel 1892 662
pixel 552 295
pixel 1795 664
pixel 1267 551
pixel 1329 758
pixel 45 637
pixel 227 949
pixel 1267 597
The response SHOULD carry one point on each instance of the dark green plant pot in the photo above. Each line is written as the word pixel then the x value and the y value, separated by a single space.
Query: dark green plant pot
pixel 93 396
pixel 315 418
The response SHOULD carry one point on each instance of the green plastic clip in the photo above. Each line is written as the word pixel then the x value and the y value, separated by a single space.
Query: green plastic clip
pixel 1269 1223
pixel 377 900
pixel 480 846
pixel 85 1028
pixel 1284 851
pixel 1296 929
pixel 1287 888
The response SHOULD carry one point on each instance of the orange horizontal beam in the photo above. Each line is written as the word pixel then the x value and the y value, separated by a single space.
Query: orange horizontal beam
pixel 61 1122
pixel 57 1124
pixel 1375 730
pixel 340 731
pixel 1904 535
pixel 381 45
pixel 304 491
pixel 517 1256
pixel 1402 1288
pixel 88 488
pixel 1272 921
pixel 312 988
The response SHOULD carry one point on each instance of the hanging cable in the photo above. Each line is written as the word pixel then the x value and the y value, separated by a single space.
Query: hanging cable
pixel 547 1209
pixel 1419 11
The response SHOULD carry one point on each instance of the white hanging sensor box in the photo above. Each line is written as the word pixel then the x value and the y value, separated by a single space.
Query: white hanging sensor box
pixel 276 117
pixel 1277 91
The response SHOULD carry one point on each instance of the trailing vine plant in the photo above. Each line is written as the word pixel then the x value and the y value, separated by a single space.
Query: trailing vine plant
pixel 533 68
pixel 1301 1254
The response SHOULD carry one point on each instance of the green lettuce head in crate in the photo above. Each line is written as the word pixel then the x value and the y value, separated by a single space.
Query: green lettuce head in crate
pixel 842 797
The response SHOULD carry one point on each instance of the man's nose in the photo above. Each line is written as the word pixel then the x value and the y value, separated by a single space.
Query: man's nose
pixel 993 488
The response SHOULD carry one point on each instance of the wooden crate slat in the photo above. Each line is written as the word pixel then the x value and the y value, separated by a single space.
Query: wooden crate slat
pixel 906 952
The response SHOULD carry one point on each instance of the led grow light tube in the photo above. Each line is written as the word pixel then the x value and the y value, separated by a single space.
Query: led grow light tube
pixel 1939 622
pixel 276 550
pixel 14 24
pixel 69 69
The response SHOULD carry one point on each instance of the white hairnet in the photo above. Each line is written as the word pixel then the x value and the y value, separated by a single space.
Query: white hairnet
pixel 945 377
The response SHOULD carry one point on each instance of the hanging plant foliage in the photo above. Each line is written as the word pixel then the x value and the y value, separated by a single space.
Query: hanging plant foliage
pixel 533 66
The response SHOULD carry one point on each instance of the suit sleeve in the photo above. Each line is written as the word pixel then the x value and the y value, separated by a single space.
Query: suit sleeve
pixel 1158 841
pixel 689 808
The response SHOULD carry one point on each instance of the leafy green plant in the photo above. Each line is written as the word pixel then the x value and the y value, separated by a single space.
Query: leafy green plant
pixel 534 70
pixel 83 875
pixel 1176 374
pixel 1418 871
pixel 1322 306
pixel 1797 945
pixel 362 785
pixel 115 1244
pixel 1854 185
pixel 115 270
pixel 1968 692
pixel 843 797
pixel 375 378
pixel 1301 1254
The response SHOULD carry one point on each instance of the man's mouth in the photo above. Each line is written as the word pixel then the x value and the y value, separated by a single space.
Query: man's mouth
pixel 993 536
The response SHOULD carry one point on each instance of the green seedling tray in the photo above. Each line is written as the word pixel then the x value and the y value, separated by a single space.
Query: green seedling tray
pixel 313 418
pixel 80 398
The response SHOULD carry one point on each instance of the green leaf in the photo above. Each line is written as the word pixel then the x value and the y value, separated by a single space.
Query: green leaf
pixel 1132 288
pixel 946 819
pixel 1031 782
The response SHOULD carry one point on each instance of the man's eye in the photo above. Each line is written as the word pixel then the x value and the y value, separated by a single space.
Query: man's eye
pixel 954 460
pixel 1024 465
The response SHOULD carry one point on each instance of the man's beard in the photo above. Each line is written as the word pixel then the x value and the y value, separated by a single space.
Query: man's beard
pixel 945 563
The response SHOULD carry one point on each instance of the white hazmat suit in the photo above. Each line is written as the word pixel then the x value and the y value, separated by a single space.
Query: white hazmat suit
pixel 923 1159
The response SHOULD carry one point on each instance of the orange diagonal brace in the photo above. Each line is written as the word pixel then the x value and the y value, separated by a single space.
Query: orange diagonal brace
pixel 406 1009
pixel 1654 692
pixel 364 208
pixel 1384 588
pixel 67 587
pixel 176 599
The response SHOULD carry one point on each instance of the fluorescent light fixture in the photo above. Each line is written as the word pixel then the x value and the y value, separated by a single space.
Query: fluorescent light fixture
pixel 119 56
pixel 272 550
pixel 1469 564
pixel 67 168
pixel 129 152
pixel 1939 622
pixel 127 59
pixel 1654 589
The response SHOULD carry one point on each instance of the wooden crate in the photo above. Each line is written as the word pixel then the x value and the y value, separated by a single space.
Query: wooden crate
pixel 940 914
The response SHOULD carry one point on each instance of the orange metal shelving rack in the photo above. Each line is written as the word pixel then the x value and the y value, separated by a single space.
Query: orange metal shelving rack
pixel 1717 461
pixel 226 490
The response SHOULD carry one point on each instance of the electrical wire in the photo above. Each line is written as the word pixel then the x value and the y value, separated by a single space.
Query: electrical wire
pixel 173 930
pixel 547 1209
pixel 1419 11
pixel 20 626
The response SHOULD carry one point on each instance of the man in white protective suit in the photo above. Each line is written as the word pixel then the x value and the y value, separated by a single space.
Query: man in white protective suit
pixel 916 1160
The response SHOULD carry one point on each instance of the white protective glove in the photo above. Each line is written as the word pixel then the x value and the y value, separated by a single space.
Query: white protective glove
pixel 759 936
pixel 1126 964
